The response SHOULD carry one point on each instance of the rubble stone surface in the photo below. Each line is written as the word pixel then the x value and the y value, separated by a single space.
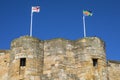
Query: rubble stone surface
pixel 57 59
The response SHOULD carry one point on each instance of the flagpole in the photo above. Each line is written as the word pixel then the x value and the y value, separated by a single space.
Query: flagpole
pixel 31 23
pixel 84 27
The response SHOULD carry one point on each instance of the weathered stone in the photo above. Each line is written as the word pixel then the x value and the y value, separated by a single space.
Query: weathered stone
pixel 58 59
pixel 113 70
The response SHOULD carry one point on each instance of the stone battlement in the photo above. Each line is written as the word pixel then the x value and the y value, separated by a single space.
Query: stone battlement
pixel 56 59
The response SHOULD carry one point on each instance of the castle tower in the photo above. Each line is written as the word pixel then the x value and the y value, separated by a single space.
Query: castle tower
pixel 26 59
pixel 92 58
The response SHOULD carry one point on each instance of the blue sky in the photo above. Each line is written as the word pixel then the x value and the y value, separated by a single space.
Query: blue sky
pixel 62 19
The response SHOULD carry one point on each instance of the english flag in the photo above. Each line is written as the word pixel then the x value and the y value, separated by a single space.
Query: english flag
pixel 35 9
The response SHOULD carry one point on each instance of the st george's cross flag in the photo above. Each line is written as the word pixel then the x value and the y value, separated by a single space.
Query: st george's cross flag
pixel 35 9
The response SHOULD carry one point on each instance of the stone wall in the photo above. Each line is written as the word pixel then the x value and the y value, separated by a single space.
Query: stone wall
pixel 57 59
pixel 4 64
pixel 113 70
pixel 73 60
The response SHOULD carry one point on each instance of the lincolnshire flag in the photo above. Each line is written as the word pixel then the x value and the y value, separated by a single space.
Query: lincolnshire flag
pixel 35 9
pixel 87 13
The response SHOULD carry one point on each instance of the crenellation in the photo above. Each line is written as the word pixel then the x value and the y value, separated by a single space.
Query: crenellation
pixel 58 59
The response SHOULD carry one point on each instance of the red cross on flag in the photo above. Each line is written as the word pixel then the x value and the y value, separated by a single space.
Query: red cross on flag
pixel 36 9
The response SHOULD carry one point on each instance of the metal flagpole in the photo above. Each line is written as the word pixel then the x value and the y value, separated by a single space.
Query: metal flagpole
pixel 31 22
pixel 84 27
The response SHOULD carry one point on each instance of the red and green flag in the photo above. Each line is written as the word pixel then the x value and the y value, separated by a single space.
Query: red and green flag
pixel 87 13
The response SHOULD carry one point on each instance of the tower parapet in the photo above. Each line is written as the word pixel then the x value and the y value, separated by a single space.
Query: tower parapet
pixel 92 57
pixel 60 59
pixel 26 58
